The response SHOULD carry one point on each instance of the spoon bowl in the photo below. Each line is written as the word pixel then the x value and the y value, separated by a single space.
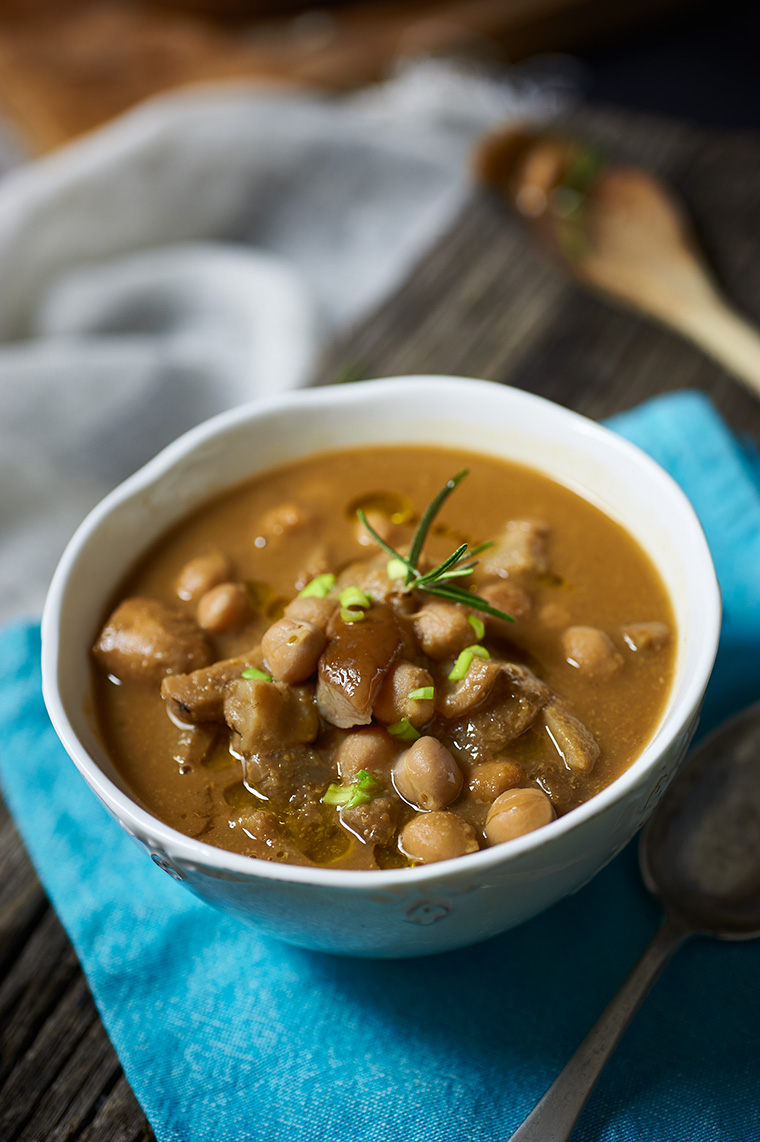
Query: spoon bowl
pixel 700 855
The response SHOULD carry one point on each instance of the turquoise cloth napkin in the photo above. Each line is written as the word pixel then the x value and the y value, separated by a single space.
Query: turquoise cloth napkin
pixel 226 1035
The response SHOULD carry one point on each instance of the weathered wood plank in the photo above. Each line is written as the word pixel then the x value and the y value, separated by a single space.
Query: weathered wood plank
pixel 41 975
pixel 38 1067
pixel 84 1084
pixel 118 1119
pixel 58 1070
pixel 22 899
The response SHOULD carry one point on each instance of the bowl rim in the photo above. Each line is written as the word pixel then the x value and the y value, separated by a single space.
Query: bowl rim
pixel 192 853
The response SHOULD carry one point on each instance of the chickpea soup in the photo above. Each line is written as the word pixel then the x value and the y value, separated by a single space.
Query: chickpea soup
pixel 383 657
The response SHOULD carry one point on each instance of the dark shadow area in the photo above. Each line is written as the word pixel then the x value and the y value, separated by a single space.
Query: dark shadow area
pixel 699 64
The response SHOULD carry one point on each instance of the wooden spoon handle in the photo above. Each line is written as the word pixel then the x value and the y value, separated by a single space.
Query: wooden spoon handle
pixel 726 336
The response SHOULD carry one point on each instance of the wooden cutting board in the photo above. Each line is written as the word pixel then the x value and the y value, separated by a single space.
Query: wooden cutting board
pixel 67 66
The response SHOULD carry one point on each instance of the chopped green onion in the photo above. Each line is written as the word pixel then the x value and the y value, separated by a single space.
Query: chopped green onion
pixel 422 693
pixel 404 731
pixel 358 793
pixel 318 588
pixel 352 614
pixel 395 569
pixel 251 672
pixel 353 603
pixel 354 597
pixel 477 625
pixel 337 794
pixel 462 664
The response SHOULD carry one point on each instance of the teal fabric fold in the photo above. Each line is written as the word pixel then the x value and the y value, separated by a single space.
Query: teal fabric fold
pixel 226 1035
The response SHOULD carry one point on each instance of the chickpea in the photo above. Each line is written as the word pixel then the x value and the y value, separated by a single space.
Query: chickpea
pixel 283 519
pixel 292 649
pixel 312 609
pixel 393 701
pixel 316 563
pixel 442 629
pixel 516 812
pixel 507 596
pixel 554 616
pixel 592 651
pixel 431 837
pixel 200 575
pixel 427 776
pixel 382 524
pixel 491 778
pixel 224 608
pixel 371 748
pixel 646 636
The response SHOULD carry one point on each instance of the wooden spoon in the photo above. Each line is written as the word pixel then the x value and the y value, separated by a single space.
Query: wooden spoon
pixel 619 231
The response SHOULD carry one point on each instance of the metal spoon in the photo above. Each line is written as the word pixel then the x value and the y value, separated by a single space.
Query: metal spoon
pixel 700 855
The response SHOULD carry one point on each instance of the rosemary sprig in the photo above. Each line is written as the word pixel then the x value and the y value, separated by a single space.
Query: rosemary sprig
pixel 439 580
pixel 429 514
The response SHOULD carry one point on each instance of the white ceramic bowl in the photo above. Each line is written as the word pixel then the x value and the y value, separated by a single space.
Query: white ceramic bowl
pixel 399 912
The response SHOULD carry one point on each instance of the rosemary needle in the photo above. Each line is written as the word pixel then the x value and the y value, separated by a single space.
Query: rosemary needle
pixel 440 580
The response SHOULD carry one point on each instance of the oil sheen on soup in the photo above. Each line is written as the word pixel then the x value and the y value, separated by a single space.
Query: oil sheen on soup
pixel 281 679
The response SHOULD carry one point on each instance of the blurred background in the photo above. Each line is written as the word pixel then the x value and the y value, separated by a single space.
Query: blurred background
pixel 166 256
pixel 67 66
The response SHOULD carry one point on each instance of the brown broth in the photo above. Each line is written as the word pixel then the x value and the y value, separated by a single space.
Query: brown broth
pixel 599 577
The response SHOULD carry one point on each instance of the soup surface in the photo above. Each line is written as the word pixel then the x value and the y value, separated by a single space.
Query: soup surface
pixel 274 681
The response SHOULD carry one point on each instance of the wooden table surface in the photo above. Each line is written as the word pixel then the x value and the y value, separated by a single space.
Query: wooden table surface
pixel 482 303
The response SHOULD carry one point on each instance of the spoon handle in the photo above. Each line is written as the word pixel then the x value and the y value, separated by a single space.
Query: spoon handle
pixel 726 336
pixel 555 1115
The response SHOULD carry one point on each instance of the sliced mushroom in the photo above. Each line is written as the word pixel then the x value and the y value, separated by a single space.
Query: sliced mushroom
pixel 513 704
pixel 199 696
pixel 374 823
pixel 144 640
pixel 354 664
pixel 268 715
pixel 520 549
pixel 575 744
pixel 646 636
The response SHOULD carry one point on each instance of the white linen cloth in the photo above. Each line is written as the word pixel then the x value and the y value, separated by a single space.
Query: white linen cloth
pixel 197 252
